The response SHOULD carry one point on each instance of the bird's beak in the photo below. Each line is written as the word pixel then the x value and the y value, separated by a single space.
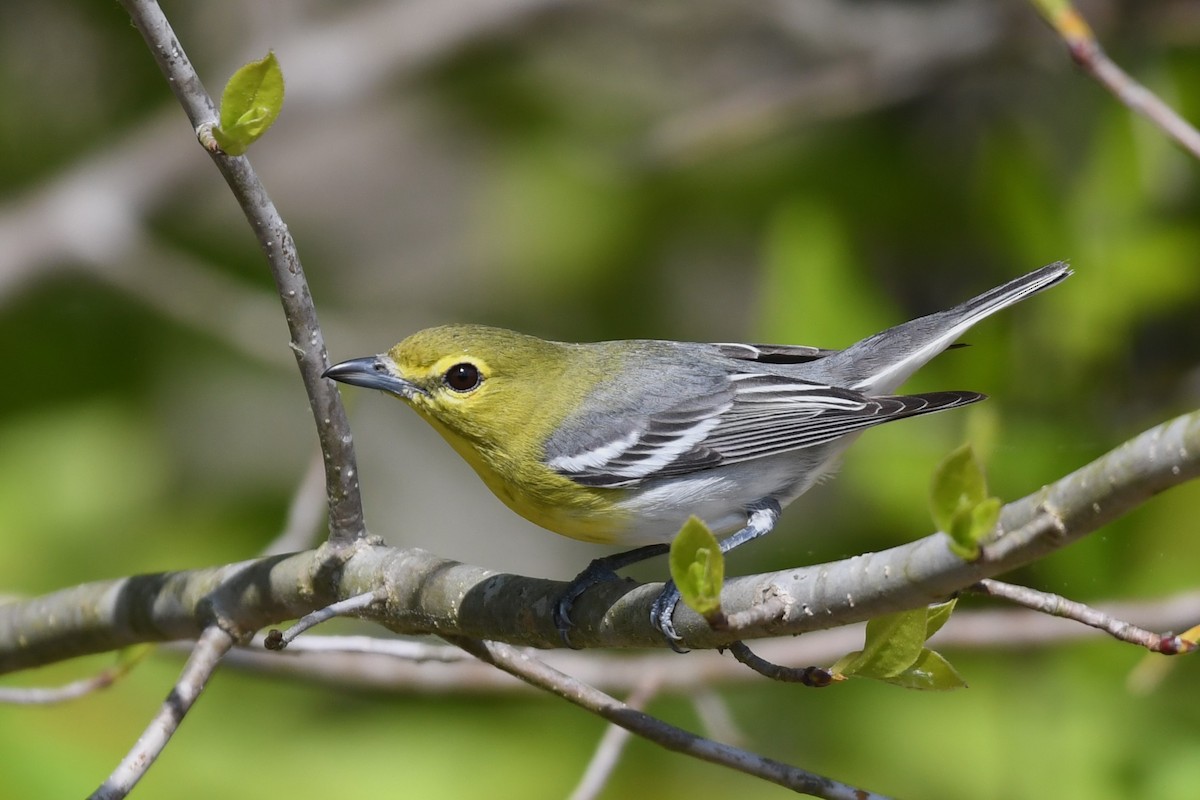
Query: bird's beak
pixel 372 372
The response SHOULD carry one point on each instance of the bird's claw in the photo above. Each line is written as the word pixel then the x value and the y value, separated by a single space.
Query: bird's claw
pixel 661 612
pixel 599 571
pixel 562 615
pixel 593 574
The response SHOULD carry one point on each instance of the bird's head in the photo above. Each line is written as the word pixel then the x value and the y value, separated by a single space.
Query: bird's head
pixel 474 381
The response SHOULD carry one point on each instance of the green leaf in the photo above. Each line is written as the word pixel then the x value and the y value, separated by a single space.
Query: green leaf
pixel 895 651
pixel 698 567
pixel 938 615
pixel 894 643
pixel 846 665
pixel 984 518
pixel 957 483
pixel 971 527
pixel 959 502
pixel 931 671
pixel 249 105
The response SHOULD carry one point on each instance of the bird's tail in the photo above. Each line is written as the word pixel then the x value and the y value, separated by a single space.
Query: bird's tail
pixel 880 363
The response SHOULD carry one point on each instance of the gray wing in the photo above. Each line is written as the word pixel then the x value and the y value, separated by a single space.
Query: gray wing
pixel 772 353
pixel 684 418
pixel 753 415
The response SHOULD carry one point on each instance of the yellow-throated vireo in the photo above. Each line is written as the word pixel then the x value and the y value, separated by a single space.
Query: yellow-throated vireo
pixel 620 442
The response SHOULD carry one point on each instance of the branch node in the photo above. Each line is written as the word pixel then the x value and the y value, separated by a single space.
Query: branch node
pixel 204 133
pixel 772 606
pixel 1176 646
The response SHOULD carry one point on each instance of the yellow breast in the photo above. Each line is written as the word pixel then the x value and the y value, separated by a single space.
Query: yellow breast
pixel 541 495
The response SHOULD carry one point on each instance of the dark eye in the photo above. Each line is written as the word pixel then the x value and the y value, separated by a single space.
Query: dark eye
pixel 463 377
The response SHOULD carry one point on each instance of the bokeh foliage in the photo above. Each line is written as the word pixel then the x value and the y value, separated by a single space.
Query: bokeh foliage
pixel 703 170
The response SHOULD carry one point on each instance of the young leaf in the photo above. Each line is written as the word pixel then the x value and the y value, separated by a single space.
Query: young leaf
pixel 957 483
pixel 959 502
pixel 894 643
pixel 250 103
pixel 938 615
pixel 698 567
pixel 984 518
pixel 930 671
pixel 845 666
pixel 895 652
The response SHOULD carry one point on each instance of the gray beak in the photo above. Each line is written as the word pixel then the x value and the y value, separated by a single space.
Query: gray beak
pixel 372 373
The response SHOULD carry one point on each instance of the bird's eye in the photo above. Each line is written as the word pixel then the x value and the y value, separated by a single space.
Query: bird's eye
pixel 463 377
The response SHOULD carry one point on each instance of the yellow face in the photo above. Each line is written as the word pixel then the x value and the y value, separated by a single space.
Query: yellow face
pixel 494 395
pixel 479 383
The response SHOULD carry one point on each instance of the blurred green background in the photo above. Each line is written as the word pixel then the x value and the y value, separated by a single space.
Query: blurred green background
pixel 796 170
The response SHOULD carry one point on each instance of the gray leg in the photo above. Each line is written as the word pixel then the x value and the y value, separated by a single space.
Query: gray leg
pixel 761 519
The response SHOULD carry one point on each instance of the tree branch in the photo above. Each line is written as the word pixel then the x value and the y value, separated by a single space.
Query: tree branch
pixel 307 342
pixel 428 594
pixel 399 665
pixel 542 676
pixel 74 690
pixel 612 745
pixel 924 571
pixel 206 655
pixel 1086 51
pixel 1059 606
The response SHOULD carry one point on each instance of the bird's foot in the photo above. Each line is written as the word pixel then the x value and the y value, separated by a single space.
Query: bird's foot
pixel 600 570
pixel 596 572
pixel 661 613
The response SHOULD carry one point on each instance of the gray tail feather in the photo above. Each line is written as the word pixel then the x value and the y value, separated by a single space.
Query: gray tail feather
pixel 880 363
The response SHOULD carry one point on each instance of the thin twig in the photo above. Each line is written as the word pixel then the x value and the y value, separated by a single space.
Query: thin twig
pixel 612 745
pixel 529 669
pixel 815 677
pixel 206 655
pixel 715 716
pixel 1059 606
pixel 277 640
pixel 35 695
pixel 346 523
pixel 1086 51
pixel 417 652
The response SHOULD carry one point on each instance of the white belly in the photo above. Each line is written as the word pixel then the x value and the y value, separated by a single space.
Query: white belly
pixel 720 496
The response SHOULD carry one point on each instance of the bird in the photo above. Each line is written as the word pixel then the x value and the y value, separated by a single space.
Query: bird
pixel 621 442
